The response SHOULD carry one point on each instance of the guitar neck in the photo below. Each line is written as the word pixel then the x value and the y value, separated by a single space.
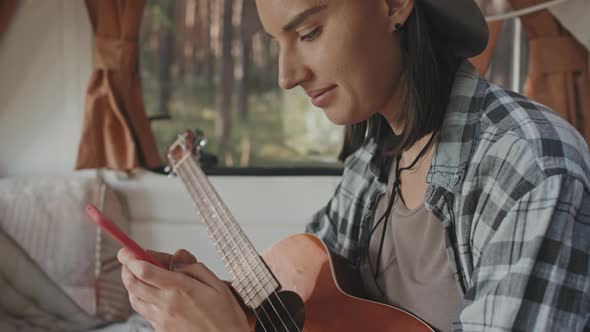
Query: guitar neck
pixel 252 280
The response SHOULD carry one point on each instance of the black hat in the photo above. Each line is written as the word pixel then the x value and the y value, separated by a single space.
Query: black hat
pixel 459 22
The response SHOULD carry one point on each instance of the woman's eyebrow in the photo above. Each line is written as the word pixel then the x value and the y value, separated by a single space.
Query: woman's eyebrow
pixel 300 18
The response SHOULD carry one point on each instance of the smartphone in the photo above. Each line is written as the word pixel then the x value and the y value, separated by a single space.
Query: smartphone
pixel 120 236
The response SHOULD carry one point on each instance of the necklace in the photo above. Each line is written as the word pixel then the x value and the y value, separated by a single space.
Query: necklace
pixel 394 191
pixel 417 163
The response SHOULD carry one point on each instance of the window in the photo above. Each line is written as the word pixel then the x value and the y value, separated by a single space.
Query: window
pixel 510 60
pixel 184 57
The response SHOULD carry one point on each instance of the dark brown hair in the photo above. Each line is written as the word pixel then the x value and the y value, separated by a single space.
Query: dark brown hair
pixel 427 79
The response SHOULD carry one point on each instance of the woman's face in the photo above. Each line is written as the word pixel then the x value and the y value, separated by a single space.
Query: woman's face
pixel 343 53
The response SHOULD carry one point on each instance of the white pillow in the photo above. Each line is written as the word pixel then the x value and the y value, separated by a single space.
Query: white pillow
pixel 30 301
pixel 45 217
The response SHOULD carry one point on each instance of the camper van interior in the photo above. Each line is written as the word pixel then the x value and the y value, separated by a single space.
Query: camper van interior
pixel 187 124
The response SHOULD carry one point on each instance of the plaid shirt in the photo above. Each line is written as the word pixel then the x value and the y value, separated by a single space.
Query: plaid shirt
pixel 510 182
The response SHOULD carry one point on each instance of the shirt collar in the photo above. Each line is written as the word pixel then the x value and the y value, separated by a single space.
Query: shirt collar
pixel 457 134
pixel 458 131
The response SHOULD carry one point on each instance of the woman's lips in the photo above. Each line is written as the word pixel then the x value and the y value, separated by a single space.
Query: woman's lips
pixel 321 98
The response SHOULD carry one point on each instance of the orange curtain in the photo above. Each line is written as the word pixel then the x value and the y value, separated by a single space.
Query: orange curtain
pixel 116 132
pixel 558 67
pixel 482 61
pixel 7 8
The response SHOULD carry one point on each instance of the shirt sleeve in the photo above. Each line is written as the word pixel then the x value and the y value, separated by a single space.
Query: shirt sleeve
pixel 533 274
pixel 338 223
pixel 324 223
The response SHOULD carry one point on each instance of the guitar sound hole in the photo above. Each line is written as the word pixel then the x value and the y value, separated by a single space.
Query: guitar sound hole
pixel 281 312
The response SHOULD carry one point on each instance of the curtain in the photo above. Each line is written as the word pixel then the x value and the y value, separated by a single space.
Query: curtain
pixel 482 61
pixel 558 67
pixel 116 132
pixel 7 8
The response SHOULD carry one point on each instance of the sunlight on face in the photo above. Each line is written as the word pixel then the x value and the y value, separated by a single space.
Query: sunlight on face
pixel 344 54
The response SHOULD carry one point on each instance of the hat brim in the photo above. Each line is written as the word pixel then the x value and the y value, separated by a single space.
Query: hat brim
pixel 460 23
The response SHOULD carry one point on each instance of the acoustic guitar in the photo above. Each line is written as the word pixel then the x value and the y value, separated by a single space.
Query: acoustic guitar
pixel 297 284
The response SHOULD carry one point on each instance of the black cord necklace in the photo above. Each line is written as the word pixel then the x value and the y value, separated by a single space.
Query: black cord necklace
pixel 394 191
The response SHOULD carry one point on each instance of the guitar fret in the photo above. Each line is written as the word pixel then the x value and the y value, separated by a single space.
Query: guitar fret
pixel 260 286
pixel 241 259
pixel 239 235
pixel 247 275
pixel 234 248
pixel 239 263
pixel 214 232
pixel 251 261
pixel 226 236
pixel 241 284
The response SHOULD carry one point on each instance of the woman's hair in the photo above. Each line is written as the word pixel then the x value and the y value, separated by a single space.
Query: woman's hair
pixel 429 68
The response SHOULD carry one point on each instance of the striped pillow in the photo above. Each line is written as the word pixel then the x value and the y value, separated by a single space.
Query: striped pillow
pixel 45 216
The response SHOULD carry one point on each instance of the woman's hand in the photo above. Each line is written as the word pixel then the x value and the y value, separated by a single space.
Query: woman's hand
pixel 189 297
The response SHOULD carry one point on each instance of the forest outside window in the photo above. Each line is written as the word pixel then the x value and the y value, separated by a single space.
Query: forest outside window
pixel 195 76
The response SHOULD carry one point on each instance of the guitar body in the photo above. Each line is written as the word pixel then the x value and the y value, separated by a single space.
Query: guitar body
pixel 302 264
pixel 293 285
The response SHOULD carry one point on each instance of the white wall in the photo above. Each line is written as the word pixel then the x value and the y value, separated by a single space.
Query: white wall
pixel 45 63
pixel 267 208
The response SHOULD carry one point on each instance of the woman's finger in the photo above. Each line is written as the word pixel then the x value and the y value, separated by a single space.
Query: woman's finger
pixel 162 257
pixel 160 278
pixel 200 272
pixel 180 258
pixel 124 255
pixel 138 288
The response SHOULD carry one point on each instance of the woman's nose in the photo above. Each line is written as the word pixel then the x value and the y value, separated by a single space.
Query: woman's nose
pixel 292 71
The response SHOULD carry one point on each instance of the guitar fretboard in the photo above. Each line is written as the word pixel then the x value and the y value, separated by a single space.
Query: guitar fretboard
pixel 250 276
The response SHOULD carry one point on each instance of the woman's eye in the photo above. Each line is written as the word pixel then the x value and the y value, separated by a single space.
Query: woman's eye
pixel 312 35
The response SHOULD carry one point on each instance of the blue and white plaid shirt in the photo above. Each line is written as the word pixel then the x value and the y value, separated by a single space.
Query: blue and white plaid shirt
pixel 510 182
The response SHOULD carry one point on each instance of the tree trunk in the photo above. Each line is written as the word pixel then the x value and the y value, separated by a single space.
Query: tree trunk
pixel 243 92
pixel 196 40
pixel 224 93
pixel 179 37
pixel 210 65
pixel 249 25
pixel 166 57
pixel 269 77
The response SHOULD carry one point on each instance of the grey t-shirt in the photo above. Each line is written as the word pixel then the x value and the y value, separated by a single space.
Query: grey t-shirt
pixel 414 272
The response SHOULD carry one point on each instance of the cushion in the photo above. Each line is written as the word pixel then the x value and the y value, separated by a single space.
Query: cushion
pixel 30 300
pixel 44 218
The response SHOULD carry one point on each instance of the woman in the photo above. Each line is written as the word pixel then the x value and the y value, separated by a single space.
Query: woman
pixel 465 204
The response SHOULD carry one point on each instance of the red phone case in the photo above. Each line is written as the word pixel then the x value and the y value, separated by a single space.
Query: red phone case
pixel 120 236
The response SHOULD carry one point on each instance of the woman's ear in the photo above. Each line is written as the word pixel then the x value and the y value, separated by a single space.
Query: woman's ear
pixel 399 11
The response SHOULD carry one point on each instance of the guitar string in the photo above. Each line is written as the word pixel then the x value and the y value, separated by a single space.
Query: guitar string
pixel 258 319
pixel 203 213
pixel 194 173
pixel 214 197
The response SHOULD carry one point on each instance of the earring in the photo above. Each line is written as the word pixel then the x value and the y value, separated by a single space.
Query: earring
pixel 399 27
